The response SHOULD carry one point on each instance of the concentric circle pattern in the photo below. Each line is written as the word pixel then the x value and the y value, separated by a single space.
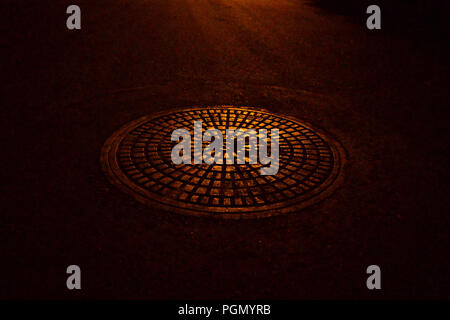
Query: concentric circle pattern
pixel 137 159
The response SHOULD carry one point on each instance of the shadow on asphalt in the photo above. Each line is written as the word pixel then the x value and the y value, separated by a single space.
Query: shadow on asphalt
pixel 417 18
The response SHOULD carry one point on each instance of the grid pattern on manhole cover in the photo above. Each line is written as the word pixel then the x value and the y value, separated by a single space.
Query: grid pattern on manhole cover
pixel 137 158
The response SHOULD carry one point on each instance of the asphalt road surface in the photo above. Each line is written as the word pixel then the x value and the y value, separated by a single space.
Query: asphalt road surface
pixel 383 96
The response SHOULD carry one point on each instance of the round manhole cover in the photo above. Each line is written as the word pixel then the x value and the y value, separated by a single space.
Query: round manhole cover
pixel 137 159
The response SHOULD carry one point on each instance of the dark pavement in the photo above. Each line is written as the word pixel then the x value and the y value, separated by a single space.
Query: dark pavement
pixel 383 96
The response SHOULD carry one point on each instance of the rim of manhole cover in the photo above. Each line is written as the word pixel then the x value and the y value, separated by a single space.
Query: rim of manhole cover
pixel 137 159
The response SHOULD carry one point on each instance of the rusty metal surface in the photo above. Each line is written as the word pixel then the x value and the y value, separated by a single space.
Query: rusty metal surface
pixel 137 159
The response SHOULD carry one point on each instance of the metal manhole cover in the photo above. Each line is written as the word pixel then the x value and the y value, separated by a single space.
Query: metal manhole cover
pixel 137 159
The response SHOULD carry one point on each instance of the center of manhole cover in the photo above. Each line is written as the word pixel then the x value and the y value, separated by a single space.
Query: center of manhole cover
pixel 137 159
